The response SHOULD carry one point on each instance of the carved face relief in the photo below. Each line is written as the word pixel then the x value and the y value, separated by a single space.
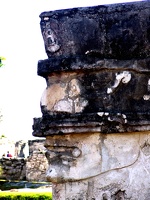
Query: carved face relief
pixel 50 39
pixel 64 95
pixel 76 157
pixel 71 157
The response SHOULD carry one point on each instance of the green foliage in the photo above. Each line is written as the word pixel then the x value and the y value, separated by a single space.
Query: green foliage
pixel 2 136
pixel 26 195
pixel 1 61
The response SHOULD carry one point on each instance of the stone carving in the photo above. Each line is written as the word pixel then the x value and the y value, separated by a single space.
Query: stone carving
pixel 66 96
pixel 110 166
pixel 104 31
pixel 117 88
pixel 95 109
pixel 76 157
pixel 69 159
pixel 50 39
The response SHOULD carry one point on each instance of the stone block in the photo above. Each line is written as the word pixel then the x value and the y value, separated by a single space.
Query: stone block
pixel 119 31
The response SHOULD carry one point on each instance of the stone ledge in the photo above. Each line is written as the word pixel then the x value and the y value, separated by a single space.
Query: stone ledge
pixel 90 63
pixel 114 31
pixel 54 125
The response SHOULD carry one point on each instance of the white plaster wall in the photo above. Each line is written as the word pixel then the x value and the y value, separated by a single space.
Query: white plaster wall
pixel 125 171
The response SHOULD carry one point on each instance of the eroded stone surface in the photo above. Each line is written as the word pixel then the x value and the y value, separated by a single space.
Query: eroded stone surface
pixel 97 101
pixel 127 180
pixel 76 156
pixel 36 166
pixel 106 96
pixel 13 168
pixel 71 157
pixel 112 31
pixel 63 94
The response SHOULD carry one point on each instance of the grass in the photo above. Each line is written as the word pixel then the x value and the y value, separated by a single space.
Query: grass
pixel 31 195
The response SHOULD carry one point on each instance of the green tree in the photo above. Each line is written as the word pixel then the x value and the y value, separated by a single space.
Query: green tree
pixel 1 61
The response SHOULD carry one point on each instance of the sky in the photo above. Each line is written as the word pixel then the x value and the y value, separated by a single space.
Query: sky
pixel 22 45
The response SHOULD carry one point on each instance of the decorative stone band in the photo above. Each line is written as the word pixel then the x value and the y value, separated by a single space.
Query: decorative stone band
pixel 101 96
pixel 98 71
pixel 45 127
pixel 91 63
pixel 119 31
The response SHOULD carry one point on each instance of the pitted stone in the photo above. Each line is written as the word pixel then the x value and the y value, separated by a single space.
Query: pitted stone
pixel 95 109
pixel 119 31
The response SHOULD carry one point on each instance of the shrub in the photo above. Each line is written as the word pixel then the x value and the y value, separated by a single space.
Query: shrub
pixel 1 59
pixel 26 195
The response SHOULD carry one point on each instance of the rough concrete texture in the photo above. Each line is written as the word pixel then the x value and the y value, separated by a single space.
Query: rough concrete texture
pixel 123 172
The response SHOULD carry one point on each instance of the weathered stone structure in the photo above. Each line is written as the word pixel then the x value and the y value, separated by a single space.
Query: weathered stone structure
pixel 36 167
pixel 13 168
pixel 16 148
pixel 95 109
pixel 36 145
pixel 21 166
pixel 36 164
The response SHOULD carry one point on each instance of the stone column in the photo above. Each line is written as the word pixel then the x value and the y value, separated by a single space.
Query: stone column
pixel 95 108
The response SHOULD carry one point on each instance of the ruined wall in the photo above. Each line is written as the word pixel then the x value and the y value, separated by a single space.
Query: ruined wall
pixel 36 145
pixel 13 168
pixel 16 148
pixel 21 149
pixel 36 166
pixel 21 166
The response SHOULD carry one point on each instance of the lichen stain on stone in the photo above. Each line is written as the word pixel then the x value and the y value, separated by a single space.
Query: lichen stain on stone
pixel 122 118
pixel 146 149
pixel 146 97
pixel 123 77
pixel 119 195
pixel 52 95
pixel 74 95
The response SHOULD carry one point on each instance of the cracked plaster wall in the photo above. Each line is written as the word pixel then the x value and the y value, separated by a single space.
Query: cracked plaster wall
pixel 124 174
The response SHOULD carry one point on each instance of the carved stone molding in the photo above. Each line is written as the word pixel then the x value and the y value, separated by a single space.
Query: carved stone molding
pixel 109 31
pixel 95 108
pixel 104 95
